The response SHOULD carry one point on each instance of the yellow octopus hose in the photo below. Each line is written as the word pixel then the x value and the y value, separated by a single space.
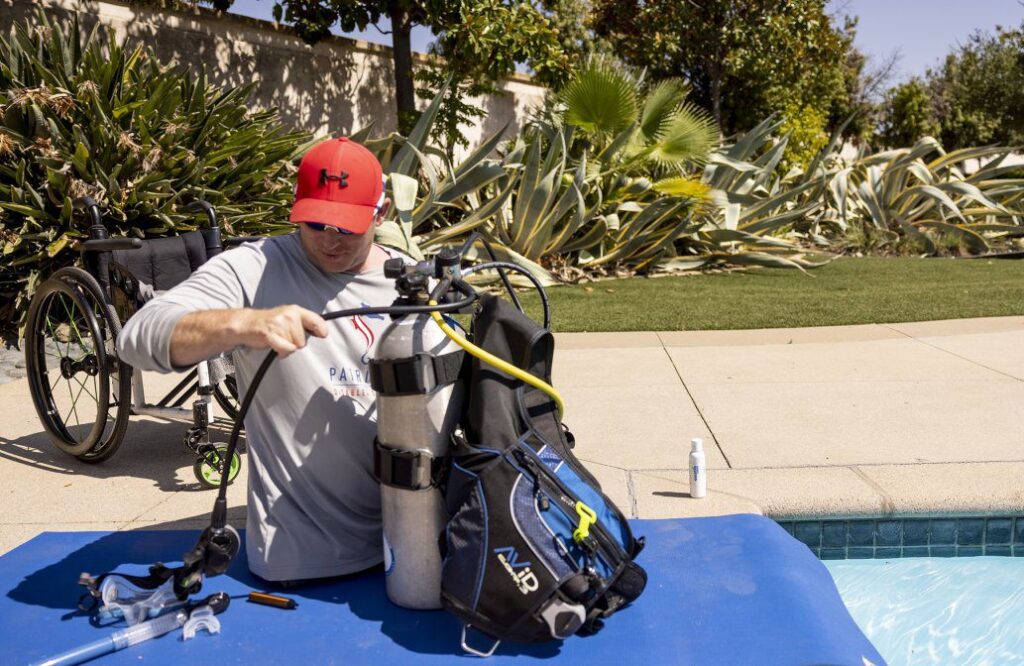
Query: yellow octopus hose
pixel 504 366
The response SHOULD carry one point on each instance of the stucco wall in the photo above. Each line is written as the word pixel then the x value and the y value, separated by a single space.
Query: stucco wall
pixel 338 86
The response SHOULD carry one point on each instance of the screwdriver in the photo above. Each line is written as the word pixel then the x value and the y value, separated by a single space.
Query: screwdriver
pixel 266 599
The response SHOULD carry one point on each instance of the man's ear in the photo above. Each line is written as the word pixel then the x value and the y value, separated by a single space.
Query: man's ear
pixel 383 212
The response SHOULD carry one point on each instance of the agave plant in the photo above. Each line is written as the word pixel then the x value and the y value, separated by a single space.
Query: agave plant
pixel 600 179
pixel 908 196
pixel 658 215
pixel 755 205
pixel 436 203
pixel 921 192
pixel 81 114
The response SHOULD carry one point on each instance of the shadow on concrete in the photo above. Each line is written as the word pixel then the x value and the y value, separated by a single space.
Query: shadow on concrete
pixel 665 493
pixel 150 450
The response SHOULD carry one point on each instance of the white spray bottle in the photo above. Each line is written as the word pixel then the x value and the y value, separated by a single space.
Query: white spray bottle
pixel 698 471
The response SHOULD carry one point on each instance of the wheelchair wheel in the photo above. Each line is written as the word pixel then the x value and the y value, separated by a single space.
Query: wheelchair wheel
pixel 81 390
pixel 209 467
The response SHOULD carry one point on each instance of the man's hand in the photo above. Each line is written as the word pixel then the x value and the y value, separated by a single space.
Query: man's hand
pixel 282 329
pixel 206 333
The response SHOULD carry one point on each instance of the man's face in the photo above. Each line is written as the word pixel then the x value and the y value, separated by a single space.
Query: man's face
pixel 336 252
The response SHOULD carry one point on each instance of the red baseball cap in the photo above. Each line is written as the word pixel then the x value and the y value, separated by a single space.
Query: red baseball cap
pixel 340 183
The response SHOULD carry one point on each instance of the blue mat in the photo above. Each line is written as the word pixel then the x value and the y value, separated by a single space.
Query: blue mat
pixel 722 591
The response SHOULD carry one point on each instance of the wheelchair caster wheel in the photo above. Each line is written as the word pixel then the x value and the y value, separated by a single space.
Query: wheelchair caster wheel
pixel 210 465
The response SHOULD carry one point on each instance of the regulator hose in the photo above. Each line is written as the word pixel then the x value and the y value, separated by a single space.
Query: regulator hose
pixel 500 266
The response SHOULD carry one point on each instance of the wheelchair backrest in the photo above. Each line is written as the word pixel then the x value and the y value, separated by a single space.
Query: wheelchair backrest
pixel 163 263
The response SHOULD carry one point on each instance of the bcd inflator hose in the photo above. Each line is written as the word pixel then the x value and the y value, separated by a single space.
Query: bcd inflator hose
pixel 498 363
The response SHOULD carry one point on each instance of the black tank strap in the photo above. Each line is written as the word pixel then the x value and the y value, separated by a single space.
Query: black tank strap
pixel 416 374
pixel 410 470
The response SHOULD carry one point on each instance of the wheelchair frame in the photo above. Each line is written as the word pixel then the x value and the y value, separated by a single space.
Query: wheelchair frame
pixel 93 283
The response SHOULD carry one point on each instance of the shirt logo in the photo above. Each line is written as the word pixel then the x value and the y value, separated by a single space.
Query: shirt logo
pixel 368 335
pixel 351 381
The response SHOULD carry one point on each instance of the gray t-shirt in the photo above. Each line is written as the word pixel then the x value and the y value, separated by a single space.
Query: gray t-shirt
pixel 313 502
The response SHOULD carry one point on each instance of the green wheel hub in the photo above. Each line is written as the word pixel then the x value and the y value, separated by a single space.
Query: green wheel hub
pixel 207 467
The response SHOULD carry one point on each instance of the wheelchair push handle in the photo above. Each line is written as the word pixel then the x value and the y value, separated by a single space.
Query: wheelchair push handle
pixel 215 242
pixel 111 244
pixel 88 203
pixel 95 258
pixel 211 234
pixel 99 238
pixel 205 207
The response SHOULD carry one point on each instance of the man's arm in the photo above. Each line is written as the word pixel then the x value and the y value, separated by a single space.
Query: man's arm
pixel 206 315
pixel 202 335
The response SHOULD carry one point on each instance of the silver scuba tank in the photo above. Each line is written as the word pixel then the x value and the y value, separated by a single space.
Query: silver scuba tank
pixel 414 370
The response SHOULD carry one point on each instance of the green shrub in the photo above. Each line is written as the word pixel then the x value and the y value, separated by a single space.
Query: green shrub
pixel 82 115
pixel 807 136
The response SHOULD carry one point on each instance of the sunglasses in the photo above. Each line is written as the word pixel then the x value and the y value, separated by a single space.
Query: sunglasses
pixel 317 226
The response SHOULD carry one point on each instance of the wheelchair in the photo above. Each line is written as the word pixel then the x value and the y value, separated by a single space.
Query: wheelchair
pixel 83 393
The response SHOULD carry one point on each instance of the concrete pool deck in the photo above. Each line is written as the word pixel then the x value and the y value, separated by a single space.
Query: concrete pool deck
pixel 876 420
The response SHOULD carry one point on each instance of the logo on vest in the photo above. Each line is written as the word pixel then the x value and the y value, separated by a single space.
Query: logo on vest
pixel 525 580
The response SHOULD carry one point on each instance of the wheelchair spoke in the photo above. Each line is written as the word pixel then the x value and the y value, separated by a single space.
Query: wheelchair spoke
pixel 53 335
pixel 53 352
pixel 73 410
pixel 67 311
pixel 55 356
pixel 57 333
pixel 73 328
pixel 74 402
pixel 86 389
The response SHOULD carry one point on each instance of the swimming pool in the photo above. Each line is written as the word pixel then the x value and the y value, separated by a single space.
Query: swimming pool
pixel 966 611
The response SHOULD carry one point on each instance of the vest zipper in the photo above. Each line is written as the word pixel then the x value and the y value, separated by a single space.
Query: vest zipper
pixel 543 474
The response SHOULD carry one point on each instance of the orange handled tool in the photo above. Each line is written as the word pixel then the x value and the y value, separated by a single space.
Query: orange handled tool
pixel 272 600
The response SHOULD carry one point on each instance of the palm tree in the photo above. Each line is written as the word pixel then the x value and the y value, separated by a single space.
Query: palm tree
pixel 636 128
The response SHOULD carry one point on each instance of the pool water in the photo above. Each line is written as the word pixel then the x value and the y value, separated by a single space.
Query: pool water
pixel 965 611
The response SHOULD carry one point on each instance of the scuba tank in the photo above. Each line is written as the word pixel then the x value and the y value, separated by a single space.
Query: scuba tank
pixel 414 370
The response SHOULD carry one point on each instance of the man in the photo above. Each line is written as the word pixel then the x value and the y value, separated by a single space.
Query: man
pixel 313 502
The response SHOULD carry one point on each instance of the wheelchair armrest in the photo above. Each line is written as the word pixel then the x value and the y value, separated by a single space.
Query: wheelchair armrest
pixel 111 244
pixel 238 240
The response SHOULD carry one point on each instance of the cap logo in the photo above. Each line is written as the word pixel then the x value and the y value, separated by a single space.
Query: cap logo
pixel 342 178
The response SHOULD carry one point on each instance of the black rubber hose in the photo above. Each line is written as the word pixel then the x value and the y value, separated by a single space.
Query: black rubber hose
pixel 220 508
pixel 499 265
pixel 473 238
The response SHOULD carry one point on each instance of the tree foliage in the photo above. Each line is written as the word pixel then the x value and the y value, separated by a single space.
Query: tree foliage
pixel 907 115
pixel 744 59
pixel 975 97
pixel 480 40
pixel 81 114
pixel 978 94
pixel 479 43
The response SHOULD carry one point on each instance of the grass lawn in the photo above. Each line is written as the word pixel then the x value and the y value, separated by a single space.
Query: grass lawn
pixel 847 291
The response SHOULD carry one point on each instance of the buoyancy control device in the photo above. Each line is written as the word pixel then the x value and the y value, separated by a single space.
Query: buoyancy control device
pixel 534 550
